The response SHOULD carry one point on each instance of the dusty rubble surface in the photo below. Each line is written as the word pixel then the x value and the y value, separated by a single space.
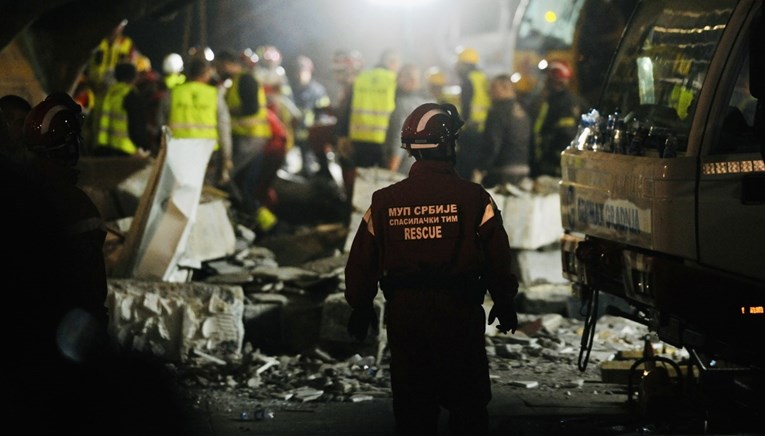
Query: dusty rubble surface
pixel 538 369
pixel 537 387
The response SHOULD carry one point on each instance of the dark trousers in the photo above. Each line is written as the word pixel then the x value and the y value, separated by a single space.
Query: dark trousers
pixel 438 360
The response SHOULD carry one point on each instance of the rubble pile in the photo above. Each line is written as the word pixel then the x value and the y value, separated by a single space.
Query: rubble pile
pixel 263 319
pixel 539 361
pixel 313 376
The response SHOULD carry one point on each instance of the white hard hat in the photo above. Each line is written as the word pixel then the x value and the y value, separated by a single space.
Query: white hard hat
pixel 173 63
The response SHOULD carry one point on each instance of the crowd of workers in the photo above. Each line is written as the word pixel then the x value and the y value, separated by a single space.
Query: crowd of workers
pixel 256 112
pixel 258 107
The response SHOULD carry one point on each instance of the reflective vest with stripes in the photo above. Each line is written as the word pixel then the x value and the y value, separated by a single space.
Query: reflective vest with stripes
pixel 479 104
pixel 108 55
pixel 194 111
pixel 113 124
pixel 374 98
pixel 255 125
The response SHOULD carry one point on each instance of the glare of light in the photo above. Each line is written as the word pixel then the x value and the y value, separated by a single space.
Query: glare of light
pixel 399 3
pixel 542 64
pixel 551 17
pixel 253 57
pixel 209 55
pixel 515 77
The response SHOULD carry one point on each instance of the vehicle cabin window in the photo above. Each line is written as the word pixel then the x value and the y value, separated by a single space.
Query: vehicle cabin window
pixel 737 124
pixel 659 70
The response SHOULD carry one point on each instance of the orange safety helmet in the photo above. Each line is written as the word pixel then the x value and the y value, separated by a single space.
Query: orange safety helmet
pixel 53 128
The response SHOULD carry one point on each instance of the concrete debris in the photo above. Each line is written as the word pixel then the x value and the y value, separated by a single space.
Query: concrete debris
pixel 578 383
pixel 174 320
pixel 531 218
pixel 306 394
pixel 266 317
pixel 212 234
pixel 528 384
pixel 209 357
pixel 510 351
pixel 544 363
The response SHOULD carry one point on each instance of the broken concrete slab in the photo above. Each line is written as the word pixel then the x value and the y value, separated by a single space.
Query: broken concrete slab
pixel 306 245
pixel 531 219
pixel 527 384
pixel 172 320
pixel 212 234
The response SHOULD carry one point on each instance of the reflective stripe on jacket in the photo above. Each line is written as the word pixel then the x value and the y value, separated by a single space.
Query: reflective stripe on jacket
pixel 113 124
pixel 256 125
pixel 194 111
pixel 374 98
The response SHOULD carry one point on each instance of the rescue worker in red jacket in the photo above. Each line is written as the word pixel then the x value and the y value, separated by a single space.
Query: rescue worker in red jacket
pixel 435 243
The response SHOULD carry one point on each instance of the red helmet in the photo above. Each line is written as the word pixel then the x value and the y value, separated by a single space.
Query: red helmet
pixel 431 126
pixel 53 127
pixel 559 70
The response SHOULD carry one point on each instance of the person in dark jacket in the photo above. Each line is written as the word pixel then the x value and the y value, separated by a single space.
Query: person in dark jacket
pixel 507 137
pixel 556 120
pixel 435 243
pixel 65 364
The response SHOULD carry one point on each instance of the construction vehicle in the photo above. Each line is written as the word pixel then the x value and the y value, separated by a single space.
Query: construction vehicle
pixel 663 188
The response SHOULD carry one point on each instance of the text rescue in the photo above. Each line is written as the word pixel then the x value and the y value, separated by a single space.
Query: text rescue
pixel 422 222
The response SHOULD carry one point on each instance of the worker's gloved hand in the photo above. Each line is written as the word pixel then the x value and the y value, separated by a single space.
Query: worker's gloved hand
pixel 508 318
pixel 360 321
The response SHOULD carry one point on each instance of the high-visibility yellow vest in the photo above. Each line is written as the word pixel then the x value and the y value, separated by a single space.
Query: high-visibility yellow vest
pixel 479 104
pixel 194 111
pixel 374 98
pixel 174 79
pixel 113 124
pixel 107 56
pixel 256 125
